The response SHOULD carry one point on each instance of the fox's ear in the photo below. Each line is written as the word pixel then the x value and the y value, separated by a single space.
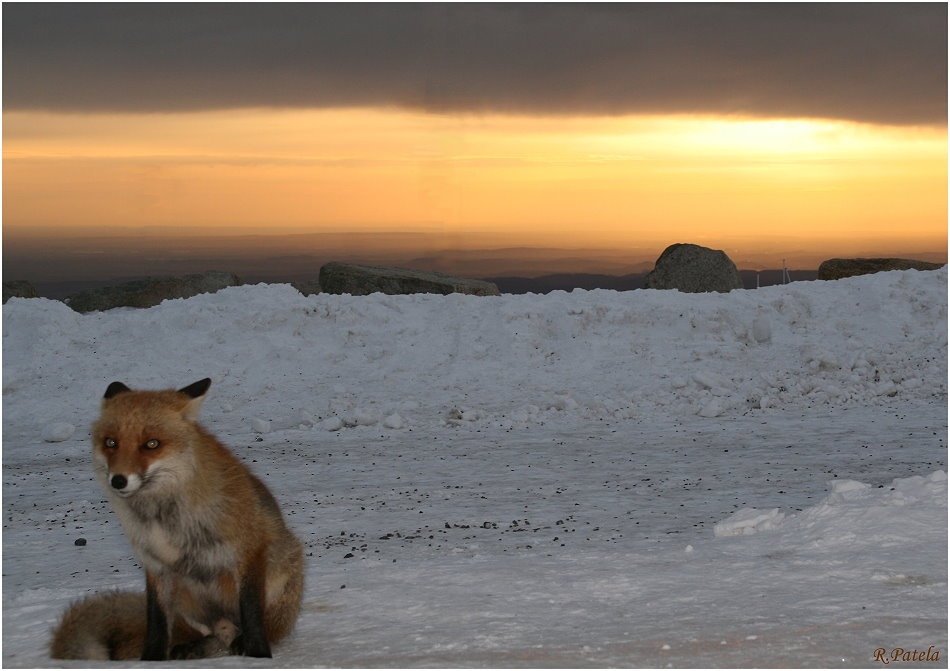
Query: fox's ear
pixel 115 388
pixel 196 389
pixel 197 393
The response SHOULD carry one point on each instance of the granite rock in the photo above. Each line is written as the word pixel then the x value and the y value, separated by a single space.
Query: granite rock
pixel 360 280
pixel 693 269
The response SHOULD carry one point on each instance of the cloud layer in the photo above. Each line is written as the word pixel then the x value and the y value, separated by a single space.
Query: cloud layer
pixel 884 63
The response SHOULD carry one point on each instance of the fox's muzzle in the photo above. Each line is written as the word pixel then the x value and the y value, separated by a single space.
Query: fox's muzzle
pixel 125 485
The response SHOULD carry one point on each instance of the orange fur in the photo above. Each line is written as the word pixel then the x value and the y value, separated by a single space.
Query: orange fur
pixel 199 521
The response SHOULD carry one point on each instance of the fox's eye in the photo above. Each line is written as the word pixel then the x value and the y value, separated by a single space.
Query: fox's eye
pixel 110 442
pixel 152 444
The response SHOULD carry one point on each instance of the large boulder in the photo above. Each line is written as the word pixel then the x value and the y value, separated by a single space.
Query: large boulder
pixel 307 287
pixel 359 280
pixel 693 269
pixel 151 291
pixel 18 289
pixel 835 269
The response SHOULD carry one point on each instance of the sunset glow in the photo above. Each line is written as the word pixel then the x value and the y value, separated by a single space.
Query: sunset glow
pixel 560 180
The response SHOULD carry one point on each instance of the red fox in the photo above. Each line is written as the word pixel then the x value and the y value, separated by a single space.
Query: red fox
pixel 223 574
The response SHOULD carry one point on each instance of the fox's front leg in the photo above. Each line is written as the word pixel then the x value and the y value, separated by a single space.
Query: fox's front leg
pixel 253 638
pixel 156 622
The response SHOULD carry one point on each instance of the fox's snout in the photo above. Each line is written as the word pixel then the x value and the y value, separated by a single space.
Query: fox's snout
pixel 124 485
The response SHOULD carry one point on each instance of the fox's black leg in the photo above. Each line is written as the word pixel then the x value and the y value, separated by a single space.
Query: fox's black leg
pixel 253 638
pixel 156 624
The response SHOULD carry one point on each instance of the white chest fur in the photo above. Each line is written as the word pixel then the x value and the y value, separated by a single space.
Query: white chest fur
pixel 169 538
pixel 153 541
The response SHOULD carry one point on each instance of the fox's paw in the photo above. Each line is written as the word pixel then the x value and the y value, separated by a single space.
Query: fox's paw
pixel 201 648
pixel 217 644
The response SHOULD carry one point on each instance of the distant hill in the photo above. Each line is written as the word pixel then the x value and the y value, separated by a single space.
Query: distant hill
pixel 568 281
pixel 507 285
pixel 770 277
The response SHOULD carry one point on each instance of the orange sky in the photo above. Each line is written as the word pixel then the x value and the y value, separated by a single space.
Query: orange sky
pixel 541 181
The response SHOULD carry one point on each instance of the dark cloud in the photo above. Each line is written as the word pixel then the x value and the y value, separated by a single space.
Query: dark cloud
pixel 868 62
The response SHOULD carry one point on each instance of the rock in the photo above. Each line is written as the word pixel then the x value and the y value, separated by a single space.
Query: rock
pixel 359 280
pixel 151 291
pixel 835 269
pixel 693 269
pixel 18 289
pixel 307 287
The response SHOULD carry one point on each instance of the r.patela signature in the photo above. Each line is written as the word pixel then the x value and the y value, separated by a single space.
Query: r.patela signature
pixel 886 656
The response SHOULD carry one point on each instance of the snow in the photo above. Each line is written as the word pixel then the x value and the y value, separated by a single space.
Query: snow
pixel 581 479
pixel 58 432
pixel 749 521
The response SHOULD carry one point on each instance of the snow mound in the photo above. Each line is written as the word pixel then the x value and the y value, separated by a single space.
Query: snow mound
pixel 854 514
pixel 749 521
pixel 509 362
pixel 57 432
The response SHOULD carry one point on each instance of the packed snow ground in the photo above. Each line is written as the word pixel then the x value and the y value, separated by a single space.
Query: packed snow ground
pixel 642 478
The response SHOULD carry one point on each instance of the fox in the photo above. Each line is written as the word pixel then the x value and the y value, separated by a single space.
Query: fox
pixel 223 572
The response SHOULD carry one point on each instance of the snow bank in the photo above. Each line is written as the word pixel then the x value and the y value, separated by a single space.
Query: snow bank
pixel 854 513
pixel 510 362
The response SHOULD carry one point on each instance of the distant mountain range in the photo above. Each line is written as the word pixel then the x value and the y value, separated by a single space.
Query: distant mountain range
pixel 58 265
pixel 507 285
pixel 751 279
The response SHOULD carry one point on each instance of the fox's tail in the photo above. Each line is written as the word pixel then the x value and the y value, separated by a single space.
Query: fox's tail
pixel 111 626
pixel 104 626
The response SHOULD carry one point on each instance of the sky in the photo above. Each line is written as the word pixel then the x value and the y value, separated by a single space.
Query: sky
pixel 544 125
